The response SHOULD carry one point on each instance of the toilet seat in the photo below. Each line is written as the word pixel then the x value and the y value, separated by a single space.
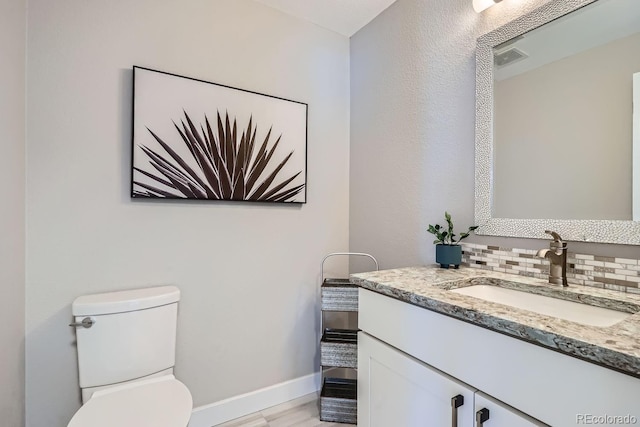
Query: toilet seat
pixel 157 402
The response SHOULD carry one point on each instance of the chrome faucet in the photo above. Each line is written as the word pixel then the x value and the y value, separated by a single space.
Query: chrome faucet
pixel 557 256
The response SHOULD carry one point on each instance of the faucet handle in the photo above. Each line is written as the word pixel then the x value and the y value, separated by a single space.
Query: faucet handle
pixel 556 236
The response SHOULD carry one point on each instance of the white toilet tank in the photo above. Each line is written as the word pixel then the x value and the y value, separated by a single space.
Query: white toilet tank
pixel 133 334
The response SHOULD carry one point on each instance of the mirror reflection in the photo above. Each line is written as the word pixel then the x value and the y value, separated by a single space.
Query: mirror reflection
pixel 563 133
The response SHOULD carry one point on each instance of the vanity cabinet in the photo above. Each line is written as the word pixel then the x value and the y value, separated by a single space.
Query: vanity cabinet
pixel 412 361
pixel 397 389
pixel 499 414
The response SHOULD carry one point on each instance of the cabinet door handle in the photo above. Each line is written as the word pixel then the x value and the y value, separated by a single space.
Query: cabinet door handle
pixel 456 402
pixel 481 416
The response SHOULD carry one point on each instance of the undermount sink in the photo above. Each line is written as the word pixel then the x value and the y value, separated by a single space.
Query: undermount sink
pixel 546 305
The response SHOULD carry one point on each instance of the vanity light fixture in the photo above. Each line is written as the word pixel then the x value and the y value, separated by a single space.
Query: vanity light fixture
pixel 480 5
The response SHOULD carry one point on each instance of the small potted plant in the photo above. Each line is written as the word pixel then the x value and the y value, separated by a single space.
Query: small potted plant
pixel 448 249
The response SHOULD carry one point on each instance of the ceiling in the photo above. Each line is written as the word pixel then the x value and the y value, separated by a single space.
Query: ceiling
pixel 342 16
pixel 594 25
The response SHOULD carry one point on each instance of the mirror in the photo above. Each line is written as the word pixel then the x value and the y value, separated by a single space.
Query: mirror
pixel 554 123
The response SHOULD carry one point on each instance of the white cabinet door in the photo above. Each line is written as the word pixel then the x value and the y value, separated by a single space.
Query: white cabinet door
pixel 497 414
pixel 394 389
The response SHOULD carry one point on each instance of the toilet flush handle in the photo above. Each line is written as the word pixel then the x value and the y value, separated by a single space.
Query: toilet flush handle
pixel 87 322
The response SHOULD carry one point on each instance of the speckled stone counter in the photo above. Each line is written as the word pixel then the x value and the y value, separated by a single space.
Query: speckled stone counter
pixel 616 347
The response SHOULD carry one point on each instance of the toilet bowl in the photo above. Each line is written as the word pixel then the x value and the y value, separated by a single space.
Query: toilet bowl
pixel 157 402
pixel 126 354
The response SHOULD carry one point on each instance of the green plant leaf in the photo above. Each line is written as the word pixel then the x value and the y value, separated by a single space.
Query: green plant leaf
pixel 447 216
pixel 448 237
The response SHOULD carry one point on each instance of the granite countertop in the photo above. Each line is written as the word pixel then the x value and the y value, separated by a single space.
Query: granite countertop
pixel 616 347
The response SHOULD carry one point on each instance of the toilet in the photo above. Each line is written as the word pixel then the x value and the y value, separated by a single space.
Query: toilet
pixel 126 345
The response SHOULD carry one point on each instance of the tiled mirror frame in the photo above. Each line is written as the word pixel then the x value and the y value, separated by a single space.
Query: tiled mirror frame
pixel 601 231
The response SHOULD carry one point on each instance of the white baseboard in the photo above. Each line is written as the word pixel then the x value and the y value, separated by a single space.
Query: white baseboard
pixel 255 401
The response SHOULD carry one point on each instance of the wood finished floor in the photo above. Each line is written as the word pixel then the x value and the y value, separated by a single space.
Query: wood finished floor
pixel 302 412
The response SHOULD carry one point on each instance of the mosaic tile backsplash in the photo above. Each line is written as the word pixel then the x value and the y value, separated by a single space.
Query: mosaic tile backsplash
pixel 618 274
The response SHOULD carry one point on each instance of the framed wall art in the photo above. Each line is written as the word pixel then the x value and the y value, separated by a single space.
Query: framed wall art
pixel 194 139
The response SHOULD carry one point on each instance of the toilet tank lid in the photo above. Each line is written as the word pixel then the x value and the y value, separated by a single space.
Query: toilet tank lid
pixel 124 301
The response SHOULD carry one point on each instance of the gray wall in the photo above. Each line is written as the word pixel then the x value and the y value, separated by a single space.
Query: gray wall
pixel 249 273
pixel 567 122
pixel 12 232
pixel 412 128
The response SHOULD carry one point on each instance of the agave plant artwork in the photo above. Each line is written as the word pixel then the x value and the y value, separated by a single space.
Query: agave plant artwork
pixel 225 163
